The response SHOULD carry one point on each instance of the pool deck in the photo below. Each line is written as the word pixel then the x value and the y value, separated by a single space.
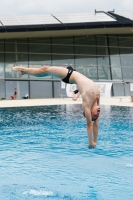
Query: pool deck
pixel 116 101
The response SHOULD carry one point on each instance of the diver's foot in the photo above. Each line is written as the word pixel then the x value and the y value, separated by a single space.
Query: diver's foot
pixel 20 70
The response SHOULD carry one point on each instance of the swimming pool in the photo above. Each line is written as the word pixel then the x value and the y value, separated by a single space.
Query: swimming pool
pixel 44 154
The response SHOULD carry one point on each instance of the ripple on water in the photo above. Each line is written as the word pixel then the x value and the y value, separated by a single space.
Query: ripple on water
pixel 47 146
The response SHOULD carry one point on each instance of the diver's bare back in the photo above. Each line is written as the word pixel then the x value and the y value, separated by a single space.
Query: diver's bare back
pixel 86 86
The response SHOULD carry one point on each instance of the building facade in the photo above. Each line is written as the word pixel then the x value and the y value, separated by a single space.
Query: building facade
pixel 102 57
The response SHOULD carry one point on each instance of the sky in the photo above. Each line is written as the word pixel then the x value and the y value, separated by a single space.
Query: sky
pixel 39 7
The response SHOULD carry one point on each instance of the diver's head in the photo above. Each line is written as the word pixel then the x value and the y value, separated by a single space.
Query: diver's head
pixel 95 112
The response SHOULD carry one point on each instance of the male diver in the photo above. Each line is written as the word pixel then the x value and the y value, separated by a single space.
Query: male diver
pixel 88 89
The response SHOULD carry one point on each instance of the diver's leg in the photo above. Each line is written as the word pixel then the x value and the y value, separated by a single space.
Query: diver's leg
pixel 32 71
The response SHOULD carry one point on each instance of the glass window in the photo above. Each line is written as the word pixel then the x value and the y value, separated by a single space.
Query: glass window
pixel 85 45
pixel 9 63
pixel 57 89
pixel 88 71
pixel 13 46
pixel 85 60
pixel 1 65
pixel 62 46
pixel 104 73
pixel 126 51
pixel 10 47
pixel 113 45
pixel 10 40
pixel 63 40
pixel 62 49
pixel 113 40
pixel 39 60
pixel 41 89
pixel 114 51
pixel 126 41
pixel 101 40
pixel 103 61
pixel 11 60
pixel 116 73
pixel 127 72
pixel 91 72
pixel 39 40
pixel 21 86
pixel 88 50
pixel 1 46
pixel 126 61
pixel 22 48
pixel 102 50
pixel 115 61
pixel 62 60
pixel 85 40
pixel 40 53
pixel 102 47
pixel 81 69
pixel 2 89
pixel 40 48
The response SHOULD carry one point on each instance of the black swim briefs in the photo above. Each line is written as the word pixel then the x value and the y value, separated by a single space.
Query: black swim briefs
pixel 70 71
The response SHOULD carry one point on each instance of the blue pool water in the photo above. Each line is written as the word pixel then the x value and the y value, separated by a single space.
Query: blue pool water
pixel 44 154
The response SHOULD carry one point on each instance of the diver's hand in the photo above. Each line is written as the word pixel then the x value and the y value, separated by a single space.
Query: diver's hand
pixel 92 145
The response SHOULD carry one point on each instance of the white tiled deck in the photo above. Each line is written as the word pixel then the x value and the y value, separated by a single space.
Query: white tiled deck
pixel 117 101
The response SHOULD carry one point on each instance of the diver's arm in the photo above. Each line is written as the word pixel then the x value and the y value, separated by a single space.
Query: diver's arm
pixel 89 126
pixel 95 132
pixel 89 131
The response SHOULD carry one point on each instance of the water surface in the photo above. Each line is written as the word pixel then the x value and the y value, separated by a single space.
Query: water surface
pixel 44 154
